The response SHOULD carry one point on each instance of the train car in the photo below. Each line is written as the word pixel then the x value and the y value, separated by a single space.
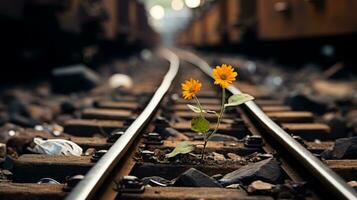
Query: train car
pixel 233 20
pixel 283 19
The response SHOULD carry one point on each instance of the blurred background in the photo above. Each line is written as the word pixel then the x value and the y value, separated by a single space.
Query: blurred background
pixel 37 35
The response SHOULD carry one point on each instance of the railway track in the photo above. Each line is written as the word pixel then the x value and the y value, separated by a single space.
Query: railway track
pixel 272 164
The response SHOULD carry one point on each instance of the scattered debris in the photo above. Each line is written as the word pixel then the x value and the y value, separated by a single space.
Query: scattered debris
pixel 218 156
pixel 235 157
pixel 120 80
pixel 55 147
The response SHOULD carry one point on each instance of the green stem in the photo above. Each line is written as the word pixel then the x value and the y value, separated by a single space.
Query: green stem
pixel 203 149
pixel 198 104
pixel 220 114
pixel 217 124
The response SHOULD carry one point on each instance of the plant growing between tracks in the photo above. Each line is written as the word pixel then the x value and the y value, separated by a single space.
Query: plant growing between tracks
pixel 224 76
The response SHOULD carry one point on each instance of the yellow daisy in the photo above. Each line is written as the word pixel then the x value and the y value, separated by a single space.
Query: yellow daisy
pixel 190 88
pixel 224 75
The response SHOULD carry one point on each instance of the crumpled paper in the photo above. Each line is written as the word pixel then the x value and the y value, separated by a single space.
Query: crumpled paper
pixel 56 147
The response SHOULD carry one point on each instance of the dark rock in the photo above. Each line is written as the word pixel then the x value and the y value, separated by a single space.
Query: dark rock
pixel 195 178
pixel 23 121
pixel 304 102
pixel 266 170
pixel 4 118
pixel 345 148
pixel 221 137
pixel 68 107
pixel 74 78
pixel 351 120
pixel 337 125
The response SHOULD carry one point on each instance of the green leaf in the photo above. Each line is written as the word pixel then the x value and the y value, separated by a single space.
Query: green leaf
pixel 194 108
pixel 200 124
pixel 238 99
pixel 198 110
pixel 182 148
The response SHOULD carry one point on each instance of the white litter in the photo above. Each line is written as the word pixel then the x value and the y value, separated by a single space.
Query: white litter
pixel 120 80
pixel 55 147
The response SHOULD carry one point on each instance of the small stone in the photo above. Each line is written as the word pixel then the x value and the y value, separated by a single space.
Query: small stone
pixel 218 156
pixel 259 186
pixel 345 148
pixel 233 186
pixel 89 151
pixel 68 107
pixel 221 137
pixel 195 178
pixel 120 80
pixel 266 170
pixel 353 184
pixel 337 125
pixel 234 157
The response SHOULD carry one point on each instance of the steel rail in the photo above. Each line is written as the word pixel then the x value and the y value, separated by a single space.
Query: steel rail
pixel 333 182
pixel 90 184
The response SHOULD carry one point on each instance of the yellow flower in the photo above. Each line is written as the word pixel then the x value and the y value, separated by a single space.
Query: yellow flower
pixel 224 75
pixel 190 88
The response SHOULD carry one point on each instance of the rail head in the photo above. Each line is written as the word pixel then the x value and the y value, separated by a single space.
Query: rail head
pixel 324 174
pixel 90 184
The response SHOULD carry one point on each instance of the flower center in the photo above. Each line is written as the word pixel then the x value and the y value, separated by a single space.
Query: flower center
pixel 223 76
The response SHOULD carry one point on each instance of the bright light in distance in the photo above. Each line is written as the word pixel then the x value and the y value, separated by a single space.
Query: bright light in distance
pixel 192 3
pixel 157 12
pixel 177 4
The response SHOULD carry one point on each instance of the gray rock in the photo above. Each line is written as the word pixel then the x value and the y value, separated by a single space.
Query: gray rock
pixel 337 125
pixel 344 148
pixel 74 78
pixel 304 102
pixel 195 178
pixel 266 170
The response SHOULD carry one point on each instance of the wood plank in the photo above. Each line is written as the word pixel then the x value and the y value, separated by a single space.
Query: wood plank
pixel 346 168
pixel 292 116
pixel 88 127
pixel 118 105
pixel 33 167
pixel 275 108
pixel 107 114
pixel 25 191
pixel 184 193
pixel 319 147
pixel 309 131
